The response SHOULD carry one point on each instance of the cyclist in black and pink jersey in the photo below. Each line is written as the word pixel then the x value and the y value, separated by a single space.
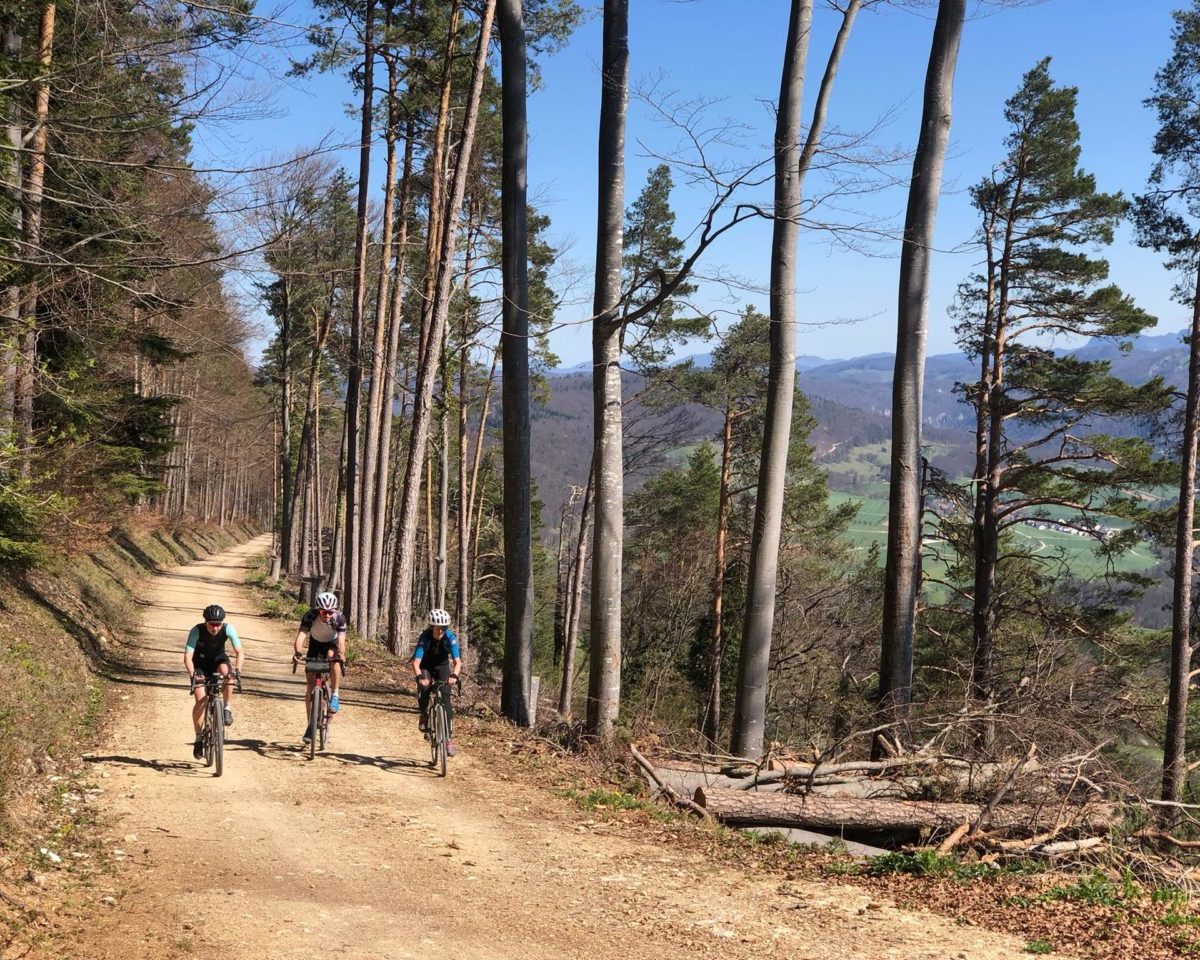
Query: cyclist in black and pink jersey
pixel 323 628
pixel 204 655
pixel 436 656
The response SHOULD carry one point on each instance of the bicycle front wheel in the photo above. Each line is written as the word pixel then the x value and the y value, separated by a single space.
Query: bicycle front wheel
pixel 208 734
pixel 217 720
pixel 314 720
pixel 440 737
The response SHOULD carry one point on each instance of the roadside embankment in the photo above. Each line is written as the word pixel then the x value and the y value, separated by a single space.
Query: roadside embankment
pixel 66 623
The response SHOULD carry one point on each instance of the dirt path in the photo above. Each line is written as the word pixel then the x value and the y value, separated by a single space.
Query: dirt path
pixel 365 853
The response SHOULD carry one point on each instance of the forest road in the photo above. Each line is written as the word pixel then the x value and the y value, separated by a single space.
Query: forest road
pixel 364 853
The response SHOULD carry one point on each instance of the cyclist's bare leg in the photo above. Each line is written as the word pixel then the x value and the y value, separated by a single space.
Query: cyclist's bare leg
pixel 335 677
pixel 198 709
pixel 227 689
pixel 310 680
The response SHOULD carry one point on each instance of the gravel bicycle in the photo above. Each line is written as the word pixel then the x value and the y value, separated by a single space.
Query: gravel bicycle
pixel 318 708
pixel 212 733
pixel 437 722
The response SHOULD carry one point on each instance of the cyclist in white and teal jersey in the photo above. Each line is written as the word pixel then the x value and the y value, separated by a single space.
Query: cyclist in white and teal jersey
pixel 204 655
pixel 322 635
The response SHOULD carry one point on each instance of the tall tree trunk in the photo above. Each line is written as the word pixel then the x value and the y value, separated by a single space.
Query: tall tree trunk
pixel 575 600
pixel 902 580
pixel 318 511
pixel 337 559
pixel 461 612
pixel 442 557
pixel 11 316
pixel 286 466
pixel 350 560
pixel 989 465
pixel 514 385
pixel 750 710
pixel 604 680
pixel 562 572
pixel 379 395
pixel 437 185
pixel 791 165
pixel 383 457
pixel 34 196
pixel 402 574
pixel 711 727
pixel 1174 746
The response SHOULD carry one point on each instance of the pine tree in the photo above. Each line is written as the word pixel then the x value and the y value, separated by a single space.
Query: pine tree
pixel 1041 449
pixel 1168 220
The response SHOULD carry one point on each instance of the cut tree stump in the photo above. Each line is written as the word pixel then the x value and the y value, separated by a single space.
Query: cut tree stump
pixel 741 808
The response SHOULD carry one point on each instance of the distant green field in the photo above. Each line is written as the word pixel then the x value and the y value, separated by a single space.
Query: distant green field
pixel 1078 553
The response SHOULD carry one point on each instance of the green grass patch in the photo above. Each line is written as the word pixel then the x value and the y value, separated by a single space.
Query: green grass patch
pixel 1039 946
pixel 1095 889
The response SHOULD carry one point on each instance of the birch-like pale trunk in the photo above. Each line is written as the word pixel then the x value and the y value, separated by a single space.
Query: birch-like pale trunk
pixel 338 543
pixel 711 726
pixel 1175 770
pixel 514 385
pixel 441 556
pixel 350 560
pixel 34 197
pixel 437 185
pixel 902 572
pixel 791 165
pixel 575 600
pixel 402 574
pixel 604 680
pixel 11 309
pixel 383 457
pixel 379 394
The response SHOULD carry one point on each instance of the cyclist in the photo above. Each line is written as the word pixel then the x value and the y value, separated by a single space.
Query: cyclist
pixel 436 656
pixel 323 628
pixel 204 655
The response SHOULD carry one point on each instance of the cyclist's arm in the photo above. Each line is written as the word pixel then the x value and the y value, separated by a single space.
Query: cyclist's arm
pixel 455 655
pixel 193 637
pixel 301 641
pixel 340 641
pixel 237 646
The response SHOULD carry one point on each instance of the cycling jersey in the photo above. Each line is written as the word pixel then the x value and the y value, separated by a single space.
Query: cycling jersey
pixel 324 631
pixel 207 645
pixel 431 651
pixel 208 649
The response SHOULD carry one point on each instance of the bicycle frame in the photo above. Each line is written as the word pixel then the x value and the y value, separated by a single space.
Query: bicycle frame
pixel 212 732
pixel 318 711
pixel 437 722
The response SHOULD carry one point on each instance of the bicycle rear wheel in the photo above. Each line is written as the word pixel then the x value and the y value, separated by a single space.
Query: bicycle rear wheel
pixel 314 719
pixel 217 719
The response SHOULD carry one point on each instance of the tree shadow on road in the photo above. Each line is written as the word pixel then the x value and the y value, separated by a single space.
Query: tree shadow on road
pixel 187 768
pixel 274 750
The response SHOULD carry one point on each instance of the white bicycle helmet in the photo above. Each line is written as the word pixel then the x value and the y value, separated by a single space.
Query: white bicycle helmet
pixel 327 601
pixel 439 618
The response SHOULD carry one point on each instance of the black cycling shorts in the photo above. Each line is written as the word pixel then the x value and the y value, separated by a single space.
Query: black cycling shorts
pixel 209 666
pixel 321 651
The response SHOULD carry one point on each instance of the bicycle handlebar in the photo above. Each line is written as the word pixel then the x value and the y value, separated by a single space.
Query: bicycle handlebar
pixel 215 680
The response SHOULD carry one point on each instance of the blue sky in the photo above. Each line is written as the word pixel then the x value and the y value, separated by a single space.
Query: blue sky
pixel 729 51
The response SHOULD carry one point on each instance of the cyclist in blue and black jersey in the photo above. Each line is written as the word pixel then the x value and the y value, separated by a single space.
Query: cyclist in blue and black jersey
pixel 436 656
pixel 204 655
pixel 324 629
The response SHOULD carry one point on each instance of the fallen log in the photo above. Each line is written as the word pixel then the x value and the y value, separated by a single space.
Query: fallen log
pixel 956 774
pixel 839 813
